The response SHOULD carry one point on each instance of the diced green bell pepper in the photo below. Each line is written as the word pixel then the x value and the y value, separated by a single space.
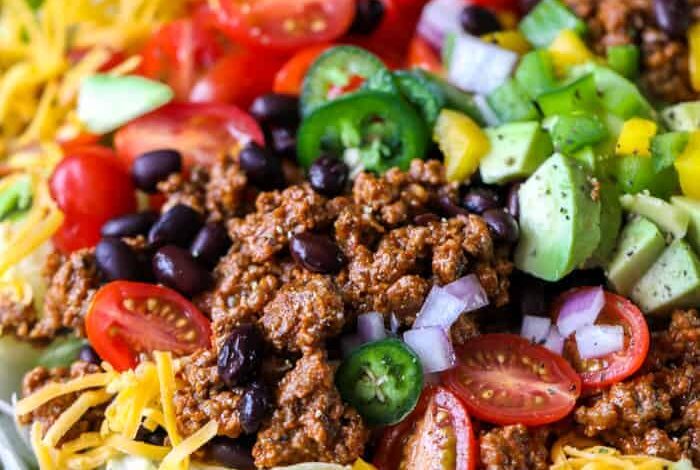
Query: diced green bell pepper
pixel 624 59
pixel 665 148
pixel 16 199
pixel 535 74
pixel 578 96
pixel 547 20
pixel 574 131
pixel 634 174
pixel 511 103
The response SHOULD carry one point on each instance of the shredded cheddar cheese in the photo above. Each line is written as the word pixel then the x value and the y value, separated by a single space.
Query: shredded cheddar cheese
pixel 180 453
pixel 166 377
pixel 41 451
pixel 55 390
pixel 141 449
pixel 605 458
pixel 71 416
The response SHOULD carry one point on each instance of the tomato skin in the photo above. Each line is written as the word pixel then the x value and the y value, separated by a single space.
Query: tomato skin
pixel 422 56
pixel 290 77
pixel 283 25
pixel 84 186
pixel 617 310
pixel 510 5
pixel 200 131
pixel 389 453
pixel 118 334
pixel 500 378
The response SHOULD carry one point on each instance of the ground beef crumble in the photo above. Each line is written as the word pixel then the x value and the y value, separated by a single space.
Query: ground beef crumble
pixel 514 448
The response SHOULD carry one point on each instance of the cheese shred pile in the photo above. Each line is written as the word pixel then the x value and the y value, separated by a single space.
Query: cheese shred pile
pixel 567 457
pixel 140 397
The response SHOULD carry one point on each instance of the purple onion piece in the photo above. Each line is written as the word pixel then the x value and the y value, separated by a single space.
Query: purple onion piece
pixel 581 308
pixel 433 347
pixel 595 341
pixel 535 329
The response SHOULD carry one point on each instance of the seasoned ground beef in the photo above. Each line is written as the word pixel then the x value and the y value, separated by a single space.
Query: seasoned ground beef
pixel 191 191
pixel 514 448
pixel 310 423
pixel 226 189
pixel 48 413
pixel 16 318
pixel 664 59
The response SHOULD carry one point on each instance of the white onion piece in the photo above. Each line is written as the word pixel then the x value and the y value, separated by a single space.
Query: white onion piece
pixel 439 309
pixel 535 329
pixel 349 343
pixel 469 290
pixel 440 18
pixel 370 327
pixel 479 66
pixel 599 340
pixel 554 341
pixel 579 309
pixel 433 347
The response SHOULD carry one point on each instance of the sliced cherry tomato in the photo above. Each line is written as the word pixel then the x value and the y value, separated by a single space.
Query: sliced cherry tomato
pixel 510 5
pixel 200 131
pixel 422 56
pixel 126 319
pixel 505 379
pixel 90 186
pixel 283 24
pixel 290 77
pixel 438 434
pixel 607 370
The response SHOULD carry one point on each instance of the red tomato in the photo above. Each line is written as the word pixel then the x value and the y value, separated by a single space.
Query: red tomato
pixel 129 318
pixel 422 56
pixel 290 77
pixel 200 131
pixel 615 367
pixel 511 5
pixel 439 418
pixel 90 186
pixel 505 379
pixel 283 24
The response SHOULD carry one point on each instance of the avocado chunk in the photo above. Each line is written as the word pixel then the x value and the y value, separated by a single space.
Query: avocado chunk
pixel 559 220
pixel 669 218
pixel 517 150
pixel 641 242
pixel 692 207
pixel 610 224
pixel 673 281
pixel 683 116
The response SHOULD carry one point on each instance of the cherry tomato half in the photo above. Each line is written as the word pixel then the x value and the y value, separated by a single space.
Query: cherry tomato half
pixel 90 186
pixel 283 24
pixel 607 370
pixel 505 379
pixel 129 318
pixel 437 434
pixel 200 131
pixel 290 77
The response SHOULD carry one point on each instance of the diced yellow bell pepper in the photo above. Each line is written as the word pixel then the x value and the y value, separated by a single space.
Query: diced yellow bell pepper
pixel 688 167
pixel 462 142
pixel 362 465
pixel 694 55
pixel 635 137
pixel 567 50
pixel 513 40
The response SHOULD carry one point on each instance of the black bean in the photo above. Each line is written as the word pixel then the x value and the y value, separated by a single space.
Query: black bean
pixel 502 225
pixel 211 243
pixel 129 225
pixel 283 141
pixel 263 168
pixel 155 437
pixel 153 167
pixel 253 406
pixel 230 453
pixel 240 356
pixel 175 267
pixel 368 17
pixel 317 253
pixel 276 108
pixel 328 176
pixel 450 208
pixel 87 354
pixel 531 293
pixel 673 16
pixel 117 261
pixel 426 219
pixel 513 200
pixel 479 200
pixel 478 20
pixel 177 226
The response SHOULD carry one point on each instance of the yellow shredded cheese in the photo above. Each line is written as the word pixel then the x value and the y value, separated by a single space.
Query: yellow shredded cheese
pixel 131 447
pixel 84 441
pixel 166 377
pixel 54 390
pixel 90 460
pixel 604 458
pixel 41 451
pixel 73 414
pixel 138 390
pixel 187 447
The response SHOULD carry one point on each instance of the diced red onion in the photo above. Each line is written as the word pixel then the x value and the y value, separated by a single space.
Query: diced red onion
pixel 599 340
pixel 440 18
pixel 349 343
pixel 535 329
pixel 479 66
pixel 579 309
pixel 439 309
pixel 370 327
pixel 554 341
pixel 469 290
pixel 433 347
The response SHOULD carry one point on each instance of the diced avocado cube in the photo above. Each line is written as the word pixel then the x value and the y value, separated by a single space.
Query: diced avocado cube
pixel 547 20
pixel 511 104
pixel 517 150
pixel 559 219
pixel 692 207
pixel 572 132
pixel 683 116
pixel 580 95
pixel 673 281
pixel 610 223
pixel 665 148
pixel 667 217
pixel 535 74
pixel 640 244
